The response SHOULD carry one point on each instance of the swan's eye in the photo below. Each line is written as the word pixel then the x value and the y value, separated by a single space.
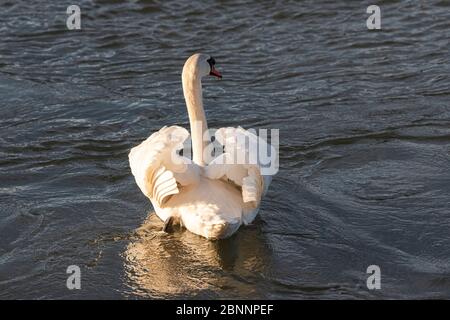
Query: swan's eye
pixel 211 62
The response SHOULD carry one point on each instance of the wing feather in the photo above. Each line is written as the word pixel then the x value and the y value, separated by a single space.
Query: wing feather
pixel 157 169
pixel 240 164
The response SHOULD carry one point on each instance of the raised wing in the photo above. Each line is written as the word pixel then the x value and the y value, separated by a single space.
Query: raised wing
pixel 158 169
pixel 241 164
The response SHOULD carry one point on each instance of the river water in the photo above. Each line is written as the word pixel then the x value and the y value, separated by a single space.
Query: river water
pixel 364 121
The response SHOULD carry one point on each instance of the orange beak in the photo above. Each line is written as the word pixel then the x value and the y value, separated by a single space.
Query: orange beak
pixel 215 73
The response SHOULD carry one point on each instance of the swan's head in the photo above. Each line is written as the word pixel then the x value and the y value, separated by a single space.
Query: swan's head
pixel 201 65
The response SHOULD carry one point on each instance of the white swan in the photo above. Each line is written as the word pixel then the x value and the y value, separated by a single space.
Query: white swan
pixel 209 198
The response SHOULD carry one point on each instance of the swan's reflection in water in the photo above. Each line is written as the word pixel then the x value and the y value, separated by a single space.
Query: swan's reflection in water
pixel 181 264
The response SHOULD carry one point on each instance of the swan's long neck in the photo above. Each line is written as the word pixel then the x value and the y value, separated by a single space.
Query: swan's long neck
pixel 192 89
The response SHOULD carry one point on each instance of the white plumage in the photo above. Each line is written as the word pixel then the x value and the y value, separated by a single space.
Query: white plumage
pixel 211 199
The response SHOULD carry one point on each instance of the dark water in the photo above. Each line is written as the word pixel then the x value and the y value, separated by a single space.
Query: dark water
pixel 364 121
